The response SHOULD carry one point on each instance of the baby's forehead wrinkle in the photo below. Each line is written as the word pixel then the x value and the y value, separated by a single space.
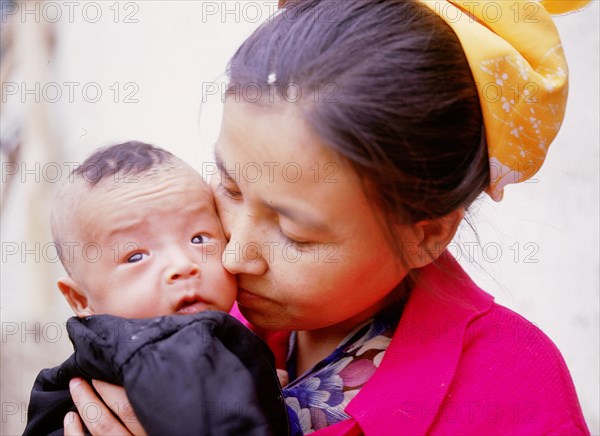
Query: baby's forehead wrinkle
pixel 78 194
pixel 158 184
pixel 173 169
pixel 181 191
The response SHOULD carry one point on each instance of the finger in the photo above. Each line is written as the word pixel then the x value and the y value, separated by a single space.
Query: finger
pixel 116 398
pixel 93 412
pixel 283 377
pixel 72 425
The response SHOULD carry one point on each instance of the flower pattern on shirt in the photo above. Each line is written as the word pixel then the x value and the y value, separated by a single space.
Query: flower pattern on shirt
pixel 319 397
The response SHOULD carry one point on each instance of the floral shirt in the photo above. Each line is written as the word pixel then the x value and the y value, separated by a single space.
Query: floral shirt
pixel 319 396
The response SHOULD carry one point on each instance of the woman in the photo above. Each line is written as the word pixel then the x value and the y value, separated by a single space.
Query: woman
pixel 343 179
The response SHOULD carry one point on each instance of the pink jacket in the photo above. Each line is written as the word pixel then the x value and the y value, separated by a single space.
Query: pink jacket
pixel 461 364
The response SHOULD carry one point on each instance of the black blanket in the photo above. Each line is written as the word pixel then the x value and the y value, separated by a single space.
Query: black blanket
pixel 203 374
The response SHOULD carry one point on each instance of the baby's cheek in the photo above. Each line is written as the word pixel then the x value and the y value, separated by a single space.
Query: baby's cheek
pixel 229 281
pixel 222 283
pixel 214 251
pixel 213 258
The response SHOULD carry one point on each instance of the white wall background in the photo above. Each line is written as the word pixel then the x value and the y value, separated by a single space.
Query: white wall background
pixel 539 247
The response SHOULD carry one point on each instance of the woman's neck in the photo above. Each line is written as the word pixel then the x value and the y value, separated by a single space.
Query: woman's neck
pixel 312 346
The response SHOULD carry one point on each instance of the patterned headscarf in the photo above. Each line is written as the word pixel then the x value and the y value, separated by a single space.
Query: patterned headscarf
pixel 519 67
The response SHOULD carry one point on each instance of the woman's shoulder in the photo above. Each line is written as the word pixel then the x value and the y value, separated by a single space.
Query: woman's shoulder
pixel 504 357
pixel 503 342
pixel 501 329
pixel 478 369
pixel 460 362
pixel 515 376
pixel 485 327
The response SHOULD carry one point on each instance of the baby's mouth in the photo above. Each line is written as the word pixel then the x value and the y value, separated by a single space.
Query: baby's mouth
pixel 191 305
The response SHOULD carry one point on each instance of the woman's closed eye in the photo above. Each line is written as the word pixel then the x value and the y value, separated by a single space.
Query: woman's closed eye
pixel 295 242
pixel 229 190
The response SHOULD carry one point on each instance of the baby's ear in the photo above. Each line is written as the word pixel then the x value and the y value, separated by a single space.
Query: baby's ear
pixel 75 297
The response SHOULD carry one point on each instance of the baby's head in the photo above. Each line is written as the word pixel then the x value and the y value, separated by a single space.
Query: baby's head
pixel 139 236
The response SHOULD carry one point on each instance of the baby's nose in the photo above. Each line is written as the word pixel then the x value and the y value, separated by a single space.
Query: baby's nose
pixel 183 271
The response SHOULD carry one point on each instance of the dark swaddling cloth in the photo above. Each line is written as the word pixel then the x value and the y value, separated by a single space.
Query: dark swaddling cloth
pixel 203 374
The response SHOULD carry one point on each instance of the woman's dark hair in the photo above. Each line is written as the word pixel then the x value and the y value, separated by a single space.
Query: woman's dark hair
pixel 396 97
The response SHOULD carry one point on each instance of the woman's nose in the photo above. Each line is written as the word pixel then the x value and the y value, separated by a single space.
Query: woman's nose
pixel 184 269
pixel 243 254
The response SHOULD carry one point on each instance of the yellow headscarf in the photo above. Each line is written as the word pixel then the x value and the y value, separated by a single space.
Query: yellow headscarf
pixel 517 61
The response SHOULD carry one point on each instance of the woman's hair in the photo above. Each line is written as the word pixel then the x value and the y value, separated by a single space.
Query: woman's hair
pixel 386 84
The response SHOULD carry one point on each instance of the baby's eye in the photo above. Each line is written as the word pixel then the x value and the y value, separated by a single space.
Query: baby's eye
pixel 198 239
pixel 134 258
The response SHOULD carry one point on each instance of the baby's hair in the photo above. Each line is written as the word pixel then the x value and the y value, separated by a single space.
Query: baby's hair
pixel 131 158
pixel 119 162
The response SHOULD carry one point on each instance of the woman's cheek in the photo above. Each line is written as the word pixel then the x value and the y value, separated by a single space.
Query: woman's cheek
pixel 306 276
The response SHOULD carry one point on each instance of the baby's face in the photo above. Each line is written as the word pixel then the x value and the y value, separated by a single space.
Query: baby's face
pixel 161 243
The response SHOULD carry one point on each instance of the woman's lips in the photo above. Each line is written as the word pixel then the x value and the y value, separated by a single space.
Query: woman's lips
pixel 246 297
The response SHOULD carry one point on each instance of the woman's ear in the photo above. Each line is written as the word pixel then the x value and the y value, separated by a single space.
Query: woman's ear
pixel 431 237
pixel 75 297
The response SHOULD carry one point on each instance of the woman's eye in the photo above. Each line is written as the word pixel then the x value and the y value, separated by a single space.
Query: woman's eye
pixel 229 191
pixel 198 239
pixel 134 258
pixel 294 242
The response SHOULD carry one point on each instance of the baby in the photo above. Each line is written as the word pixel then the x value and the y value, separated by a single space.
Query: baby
pixel 139 237
pixel 146 235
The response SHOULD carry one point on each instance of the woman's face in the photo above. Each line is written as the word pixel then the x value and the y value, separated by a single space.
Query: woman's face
pixel 305 242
